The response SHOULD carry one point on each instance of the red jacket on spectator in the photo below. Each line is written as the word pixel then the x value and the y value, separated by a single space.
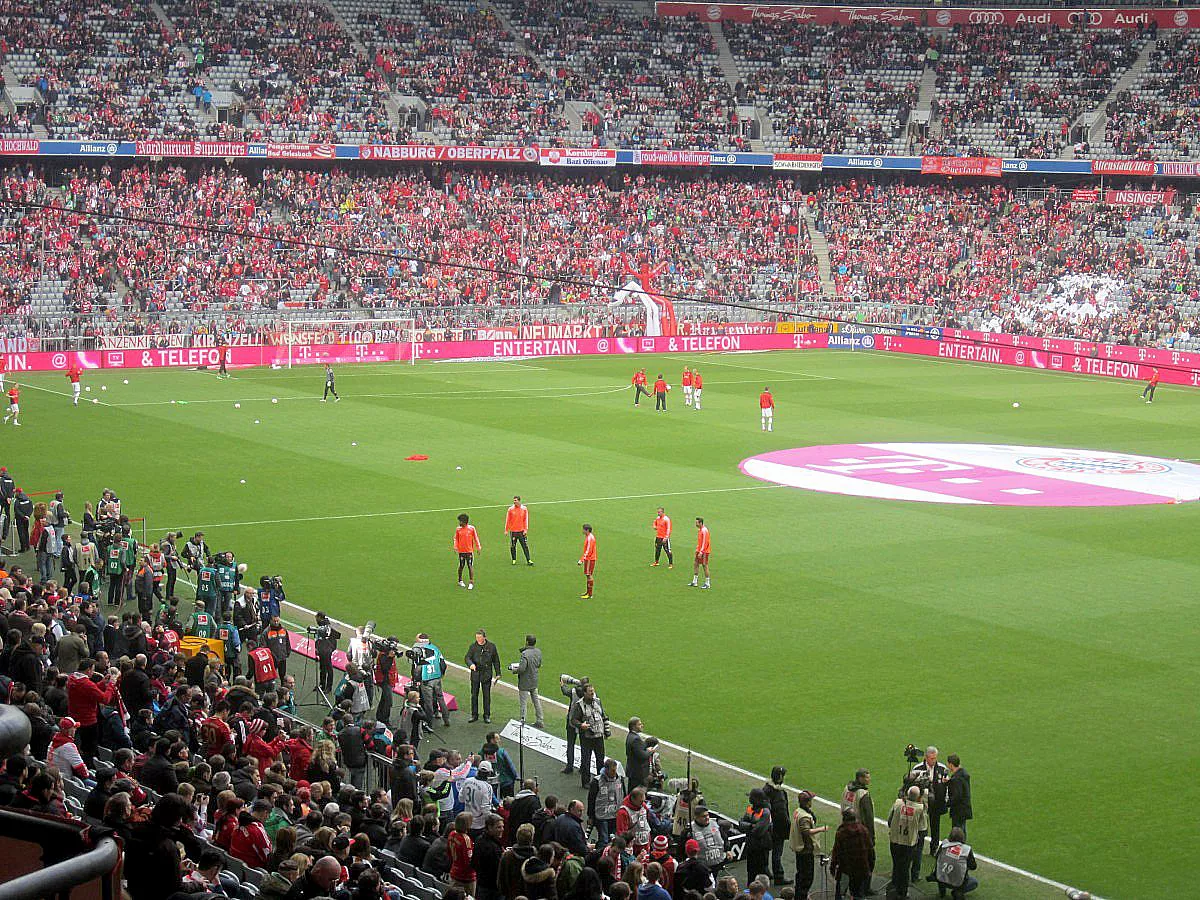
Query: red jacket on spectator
pixel 300 752
pixel 85 697
pixel 250 844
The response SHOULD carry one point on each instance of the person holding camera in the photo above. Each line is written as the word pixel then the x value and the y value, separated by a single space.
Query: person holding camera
pixel 526 669
pixel 483 659
pixel 639 754
pixel 572 689
pixel 386 677
pixel 428 667
pixel 325 638
pixel 591 721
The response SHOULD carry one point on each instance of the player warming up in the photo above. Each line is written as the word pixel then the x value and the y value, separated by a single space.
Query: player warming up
pixel 639 386
pixel 686 382
pixel 588 561
pixel 14 406
pixel 697 386
pixel 516 526
pixel 703 547
pixel 329 388
pixel 223 358
pixel 767 404
pixel 662 539
pixel 73 375
pixel 1148 392
pixel 466 542
pixel 660 393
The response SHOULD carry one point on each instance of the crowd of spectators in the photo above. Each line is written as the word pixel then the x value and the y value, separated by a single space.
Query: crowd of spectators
pixel 1158 116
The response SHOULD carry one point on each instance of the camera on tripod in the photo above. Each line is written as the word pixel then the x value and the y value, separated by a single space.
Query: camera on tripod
pixel 913 755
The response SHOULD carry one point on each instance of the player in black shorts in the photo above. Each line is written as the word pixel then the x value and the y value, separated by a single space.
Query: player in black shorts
pixel 329 388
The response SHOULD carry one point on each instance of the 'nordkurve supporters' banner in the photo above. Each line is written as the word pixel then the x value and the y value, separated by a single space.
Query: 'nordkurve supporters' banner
pixel 1122 167
pixel 1139 198
pixel 932 17
pixel 797 162
pixel 432 153
pixel 191 148
pixel 989 166
pixel 577 156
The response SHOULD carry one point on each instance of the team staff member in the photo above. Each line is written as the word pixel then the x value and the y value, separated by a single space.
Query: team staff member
pixel 697 387
pixel 516 526
pixel 703 548
pixel 1150 386
pixel 660 393
pixel 639 386
pixel 686 381
pixel 662 539
pixel 329 388
pixel 73 375
pixel 932 776
pixel 483 659
pixel 588 560
pixel 466 542
pixel 14 406
pixel 767 404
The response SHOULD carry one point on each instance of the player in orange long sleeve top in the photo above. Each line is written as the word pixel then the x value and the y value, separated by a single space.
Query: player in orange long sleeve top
pixel 767 404
pixel 639 386
pixel 588 560
pixel 697 387
pixel 14 406
pixel 703 548
pixel 686 381
pixel 466 542
pixel 516 526
pixel 73 375
pixel 660 393
pixel 662 539
pixel 1150 386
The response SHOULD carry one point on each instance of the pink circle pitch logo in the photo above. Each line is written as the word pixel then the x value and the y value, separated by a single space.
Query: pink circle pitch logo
pixel 980 474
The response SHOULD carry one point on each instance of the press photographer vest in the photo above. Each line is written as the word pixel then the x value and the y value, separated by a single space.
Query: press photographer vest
pixel 609 794
pixel 431 669
pixel 639 824
pixel 206 584
pixel 905 823
pixel 712 843
pixel 227 576
pixel 952 863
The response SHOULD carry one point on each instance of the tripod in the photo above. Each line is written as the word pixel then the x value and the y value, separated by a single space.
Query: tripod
pixel 325 703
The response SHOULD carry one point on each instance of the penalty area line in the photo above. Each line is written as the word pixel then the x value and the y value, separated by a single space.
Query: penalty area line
pixel 457 509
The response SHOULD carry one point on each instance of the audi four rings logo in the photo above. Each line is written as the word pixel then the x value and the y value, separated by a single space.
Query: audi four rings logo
pixel 1085 17
pixel 985 17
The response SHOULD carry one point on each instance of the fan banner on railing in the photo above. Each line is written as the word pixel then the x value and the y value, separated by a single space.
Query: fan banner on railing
pixel 962 166
pixel 1140 198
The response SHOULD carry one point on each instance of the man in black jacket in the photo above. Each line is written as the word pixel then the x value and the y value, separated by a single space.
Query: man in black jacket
pixel 485 859
pixel 781 822
pixel 638 754
pixel 22 512
pixel 568 829
pixel 135 686
pixel 404 775
pixel 958 790
pixel 25 663
pixel 158 772
pixel 7 488
pixel 351 740
pixel 483 659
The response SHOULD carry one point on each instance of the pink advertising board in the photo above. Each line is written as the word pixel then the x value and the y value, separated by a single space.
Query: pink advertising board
pixel 1053 354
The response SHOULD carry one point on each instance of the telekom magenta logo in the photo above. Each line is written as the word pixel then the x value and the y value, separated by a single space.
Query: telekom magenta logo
pixel 980 474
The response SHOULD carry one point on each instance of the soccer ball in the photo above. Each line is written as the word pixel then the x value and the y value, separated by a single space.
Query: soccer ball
pixel 256 421
pixel 1016 406
pixel 172 402
pixel 88 388
pixel 243 481
pixel 104 387
pixel 274 399
pixel 126 381
pixel 354 443
pixel 94 400
pixel 237 406
pixel 458 468
pixel 242 566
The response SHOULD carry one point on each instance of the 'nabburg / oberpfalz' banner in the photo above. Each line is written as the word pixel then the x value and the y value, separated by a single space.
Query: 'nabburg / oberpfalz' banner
pixel 989 166
pixel 933 18
pixel 430 153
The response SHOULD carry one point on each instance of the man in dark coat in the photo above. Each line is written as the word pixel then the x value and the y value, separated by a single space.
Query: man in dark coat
pixel 485 859
pixel 637 755
pixel 781 822
pixel 958 791
pixel 853 855
pixel 152 864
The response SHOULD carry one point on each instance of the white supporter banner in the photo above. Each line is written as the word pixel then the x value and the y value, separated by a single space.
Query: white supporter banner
pixel 545 743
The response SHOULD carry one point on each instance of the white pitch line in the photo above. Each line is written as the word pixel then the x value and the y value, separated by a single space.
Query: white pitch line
pixel 720 763
pixel 34 387
pixel 458 509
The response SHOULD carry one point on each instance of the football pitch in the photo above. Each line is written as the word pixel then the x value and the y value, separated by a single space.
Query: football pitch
pixel 1051 648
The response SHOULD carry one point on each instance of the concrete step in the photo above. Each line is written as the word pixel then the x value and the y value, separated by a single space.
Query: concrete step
pixel 161 14
pixel 821 249
pixel 1098 116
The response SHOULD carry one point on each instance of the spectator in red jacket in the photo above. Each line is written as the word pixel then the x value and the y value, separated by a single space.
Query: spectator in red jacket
pixel 86 693
pixel 300 750
pixel 249 841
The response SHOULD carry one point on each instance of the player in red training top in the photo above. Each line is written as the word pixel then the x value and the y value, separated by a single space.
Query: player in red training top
pixel 516 526
pixel 697 386
pixel 3 370
pixel 73 375
pixel 639 386
pixel 686 382
pixel 703 547
pixel 660 393
pixel 14 405
pixel 662 539
pixel 466 542
pixel 223 357
pixel 1148 393
pixel 766 403
pixel 588 560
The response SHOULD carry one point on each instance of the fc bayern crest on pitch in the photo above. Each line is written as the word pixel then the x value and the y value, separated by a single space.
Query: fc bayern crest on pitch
pixel 980 474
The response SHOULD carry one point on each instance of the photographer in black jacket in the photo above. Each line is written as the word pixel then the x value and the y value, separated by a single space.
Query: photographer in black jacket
pixel 572 689
pixel 325 638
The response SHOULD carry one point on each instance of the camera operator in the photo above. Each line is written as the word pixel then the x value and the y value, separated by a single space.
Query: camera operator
pixel 639 754
pixel 325 638
pixel 572 689
pixel 591 721
pixel 931 777
pixel 428 667
pixel 358 651
pixel 527 680
pixel 483 659
pixel 270 598
pixel 386 676
pixel 195 552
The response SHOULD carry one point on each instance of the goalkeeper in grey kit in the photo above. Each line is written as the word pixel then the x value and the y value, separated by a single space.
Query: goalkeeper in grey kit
pixel 329 388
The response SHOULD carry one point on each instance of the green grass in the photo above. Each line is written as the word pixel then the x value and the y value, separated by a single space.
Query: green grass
pixel 1051 648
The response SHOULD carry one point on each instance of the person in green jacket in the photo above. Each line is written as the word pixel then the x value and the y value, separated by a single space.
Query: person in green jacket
pixel 207 591
pixel 202 623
